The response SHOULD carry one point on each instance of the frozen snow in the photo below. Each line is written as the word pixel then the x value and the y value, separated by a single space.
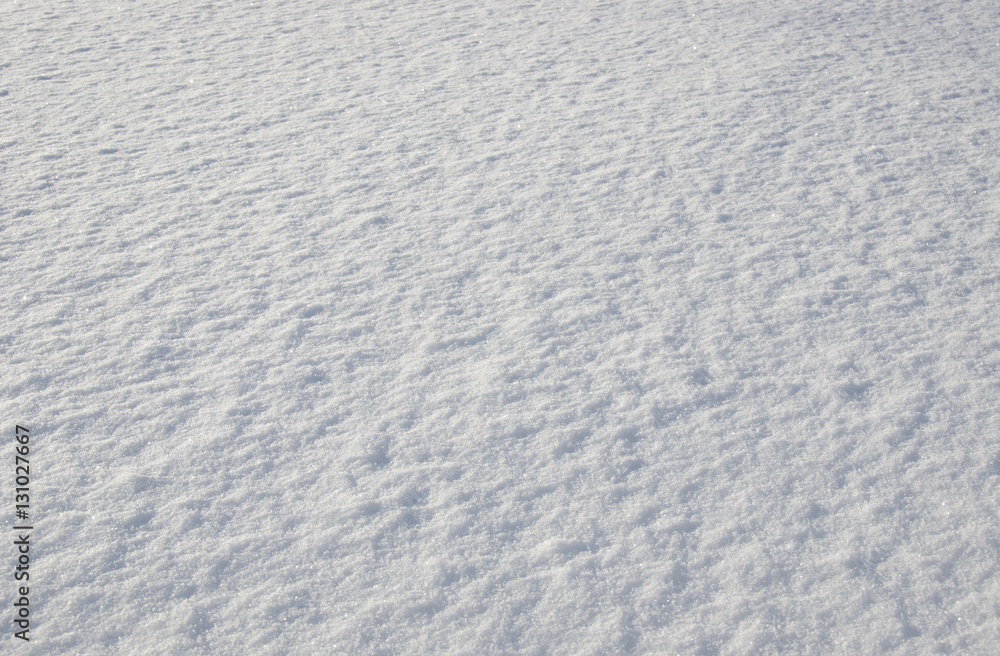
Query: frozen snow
pixel 547 328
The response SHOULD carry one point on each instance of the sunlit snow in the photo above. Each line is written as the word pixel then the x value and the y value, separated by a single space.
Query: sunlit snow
pixel 443 327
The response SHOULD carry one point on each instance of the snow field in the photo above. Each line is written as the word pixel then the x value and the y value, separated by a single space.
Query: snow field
pixel 388 328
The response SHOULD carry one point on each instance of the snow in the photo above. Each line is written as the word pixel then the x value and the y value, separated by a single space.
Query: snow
pixel 576 328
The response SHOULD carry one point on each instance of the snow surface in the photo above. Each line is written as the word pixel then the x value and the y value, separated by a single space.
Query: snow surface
pixel 479 327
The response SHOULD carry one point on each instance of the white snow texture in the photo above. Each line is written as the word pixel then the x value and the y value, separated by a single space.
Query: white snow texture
pixel 383 327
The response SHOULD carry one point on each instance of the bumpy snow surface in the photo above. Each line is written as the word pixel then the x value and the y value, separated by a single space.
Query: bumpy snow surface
pixel 433 327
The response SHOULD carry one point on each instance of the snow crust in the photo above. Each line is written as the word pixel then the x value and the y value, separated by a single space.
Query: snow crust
pixel 497 328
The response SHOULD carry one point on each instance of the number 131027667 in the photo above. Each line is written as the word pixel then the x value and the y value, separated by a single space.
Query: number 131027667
pixel 22 474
